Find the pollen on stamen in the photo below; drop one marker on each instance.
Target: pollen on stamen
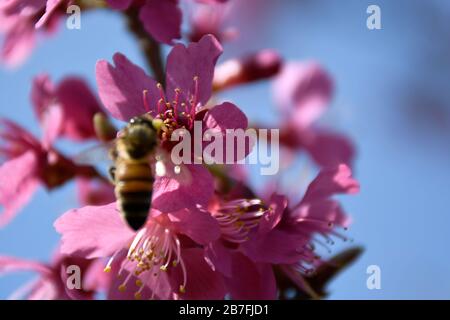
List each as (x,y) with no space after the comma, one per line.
(154,250)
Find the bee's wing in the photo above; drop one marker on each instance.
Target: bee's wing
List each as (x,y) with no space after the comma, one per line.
(164,167)
(99,153)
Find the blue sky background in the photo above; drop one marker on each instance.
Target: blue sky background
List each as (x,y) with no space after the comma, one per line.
(392,98)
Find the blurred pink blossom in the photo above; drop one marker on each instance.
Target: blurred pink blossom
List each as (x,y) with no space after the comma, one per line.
(66,109)
(51,283)
(94,191)
(303,92)
(162,19)
(250,68)
(18,19)
(27,163)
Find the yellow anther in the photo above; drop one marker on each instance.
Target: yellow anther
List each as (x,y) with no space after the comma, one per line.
(107,269)
(138,296)
(174,263)
(182,289)
(163,268)
(122,288)
(157,123)
(139,283)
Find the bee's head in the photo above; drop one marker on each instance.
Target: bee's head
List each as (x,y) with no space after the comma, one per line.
(139,137)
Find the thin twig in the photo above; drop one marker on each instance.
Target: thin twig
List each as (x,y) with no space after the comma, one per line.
(150,47)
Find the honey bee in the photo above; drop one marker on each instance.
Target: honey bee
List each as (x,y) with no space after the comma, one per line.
(131,172)
(136,160)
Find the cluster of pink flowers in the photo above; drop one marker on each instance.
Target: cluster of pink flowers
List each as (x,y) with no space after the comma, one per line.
(214,238)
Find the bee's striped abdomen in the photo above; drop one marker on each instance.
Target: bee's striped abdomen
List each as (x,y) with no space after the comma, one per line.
(134,186)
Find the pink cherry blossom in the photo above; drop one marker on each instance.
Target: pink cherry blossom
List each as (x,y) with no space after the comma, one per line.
(51,283)
(244,278)
(211,17)
(256,237)
(126,91)
(65,109)
(27,163)
(291,242)
(303,92)
(163,260)
(18,20)
(23,158)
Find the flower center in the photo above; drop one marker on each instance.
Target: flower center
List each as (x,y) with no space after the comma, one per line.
(154,249)
(178,113)
(238,217)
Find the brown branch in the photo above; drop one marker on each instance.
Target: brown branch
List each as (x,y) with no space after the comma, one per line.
(150,47)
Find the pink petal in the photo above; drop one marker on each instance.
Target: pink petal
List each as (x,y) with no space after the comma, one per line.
(18,43)
(12,264)
(22,7)
(95,278)
(275,247)
(330,149)
(331,181)
(51,6)
(329,211)
(199,225)
(228,117)
(202,282)
(46,289)
(79,106)
(18,182)
(303,91)
(93,232)
(250,281)
(121,88)
(278,203)
(46,109)
(219,258)
(225,116)
(52,124)
(162,19)
(95,192)
(42,94)
(170,195)
(75,294)
(119,4)
(197,60)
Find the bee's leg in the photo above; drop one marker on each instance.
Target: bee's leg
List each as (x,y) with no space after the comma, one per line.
(112,174)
